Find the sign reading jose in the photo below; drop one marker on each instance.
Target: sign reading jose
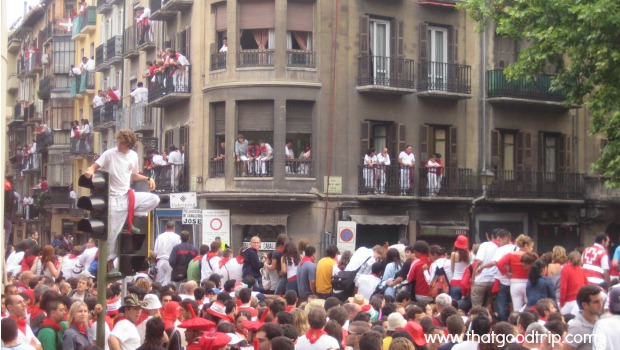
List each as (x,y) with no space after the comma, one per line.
(216,223)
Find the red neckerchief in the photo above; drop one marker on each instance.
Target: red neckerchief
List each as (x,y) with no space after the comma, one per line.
(306,259)
(22,325)
(240,259)
(81,328)
(264,315)
(143,317)
(51,324)
(244,333)
(314,334)
(72,256)
(223,262)
(4,315)
(211,255)
(290,308)
(280,249)
(198,257)
(495,242)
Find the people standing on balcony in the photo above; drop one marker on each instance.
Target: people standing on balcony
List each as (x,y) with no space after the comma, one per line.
(177,65)
(156,163)
(220,154)
(253,155)
(289,154)
(241,153)
(75,136)
(144,24)
(25,158)
(112,96)
(383,160)
(176,162)
(305,157)
(83,6)
(43,184)
(224,47)
(85,133)
(75,72)
(88,64)
(406,160)
(432,167)
(266,155)
(370,162)
(73,198)
(27,203)
(121,163)
(32,156)
(99,99)
(140,93)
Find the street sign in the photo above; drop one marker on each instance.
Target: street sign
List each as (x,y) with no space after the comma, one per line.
(216,223)
(183,200)
(346,235)
(191,217)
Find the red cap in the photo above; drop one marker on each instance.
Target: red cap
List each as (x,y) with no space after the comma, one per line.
(198,323)
(212,341)
(416,332)
(462,242)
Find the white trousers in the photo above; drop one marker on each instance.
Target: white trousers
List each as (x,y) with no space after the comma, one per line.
(518,293)
(145,202)
(164,271)
(405,178)
(432,183)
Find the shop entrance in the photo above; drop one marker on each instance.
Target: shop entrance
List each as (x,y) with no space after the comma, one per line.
(371,235)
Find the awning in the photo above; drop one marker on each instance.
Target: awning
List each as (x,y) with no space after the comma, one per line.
(443,230)
(168,213)
(271,220)
(381,219)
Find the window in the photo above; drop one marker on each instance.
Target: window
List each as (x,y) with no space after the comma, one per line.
(61,113)
(506,51)
(550,153)
(299,124)
(508,151)
(257,22)
(440,139)
(168,139)
(59,170)
(63,54)
(299,25)
(381,134)
(381,59)
(437,46)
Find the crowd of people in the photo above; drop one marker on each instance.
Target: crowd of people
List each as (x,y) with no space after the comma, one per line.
(255,158)
(498,295)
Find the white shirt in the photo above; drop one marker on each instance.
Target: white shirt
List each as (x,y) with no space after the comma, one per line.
(207,268)
(183,61)
(323,343)
(383,160)
(289,153)
(159,160)
(368,159)
(14,263)
(127,334)
(87,257)
(69,266)
(164,244)
(232,270)
(72,194)
(76,71)
(98,101)
(120,166)
(357,259)
(140,94)
(429,274)
(486,252)
(366,285)
(501,251)
(142,328)
(146,13)
(90,65)
(28,337)
(93,334)
(175,158)
(406,159)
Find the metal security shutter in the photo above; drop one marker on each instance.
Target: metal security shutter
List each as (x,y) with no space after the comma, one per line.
(300,16)
(299,116)
(257,14)
(255,115)
(219,111)
(221,19)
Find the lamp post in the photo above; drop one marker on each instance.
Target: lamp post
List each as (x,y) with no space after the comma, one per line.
(486,177)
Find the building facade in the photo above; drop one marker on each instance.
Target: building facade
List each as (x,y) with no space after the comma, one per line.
(324,82)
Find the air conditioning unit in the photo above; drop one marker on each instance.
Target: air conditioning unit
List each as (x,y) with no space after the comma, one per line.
(45,59)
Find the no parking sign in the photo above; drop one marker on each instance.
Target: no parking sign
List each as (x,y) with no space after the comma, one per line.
(346,235)
(215,223)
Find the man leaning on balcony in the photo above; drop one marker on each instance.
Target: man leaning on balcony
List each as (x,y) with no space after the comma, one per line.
(176,161)
(140,93)
(241,153)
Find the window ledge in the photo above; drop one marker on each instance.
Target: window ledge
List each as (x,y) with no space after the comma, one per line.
(253,178)
(242,69)
(300,178)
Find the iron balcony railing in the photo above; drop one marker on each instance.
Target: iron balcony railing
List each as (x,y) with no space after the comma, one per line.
(300,58)
(171,178)
(32,62)
(59,195)
(173,80)
(439,76)
(140,116)
(385,71)
(100,57)
(536,184)
(81,144)
(89,17)
(256,58)
(447,182)
(82,82)
(218,61)
(53,29)
(114,48)
(216,168)
(106,115)
(538,88)
(55,138)
(298,168)
(131,41)
(255,168)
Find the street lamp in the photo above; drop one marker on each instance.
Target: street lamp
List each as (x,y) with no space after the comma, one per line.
(486,177)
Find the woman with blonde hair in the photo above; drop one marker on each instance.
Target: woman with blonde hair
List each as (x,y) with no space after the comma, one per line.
(300,321)
(554,269)
(76,335)
(401,343)
(572,278)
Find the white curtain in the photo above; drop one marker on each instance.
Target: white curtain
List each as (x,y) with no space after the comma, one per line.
(289,40)
(271,44)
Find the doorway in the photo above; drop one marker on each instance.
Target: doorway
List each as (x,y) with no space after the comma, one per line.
(371,235)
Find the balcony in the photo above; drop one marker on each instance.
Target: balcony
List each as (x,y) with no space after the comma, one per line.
(18,114)
(391,180)
(255,58)
(439,3)
(162,10)
(12,85)
(218,61)
(253,169)
(76,28)
(104,6)
(32,163)
(171,178)
(81,146)
(59,196)
(216,168)
(32,63)
(144,37)
(536,185)
(53,29)
(81,83)
(100,58)
(33,112)
(15,44)
(45,87)
(114,49)
(523,91)
(444,80)
(300,58)
(89,20)
(170,87)
(140,117)
(59,138)
(131,40)
(105,117)
(390,75)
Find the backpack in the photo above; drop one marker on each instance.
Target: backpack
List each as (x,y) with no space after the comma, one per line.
(466,281)
(439,284)
(344,280)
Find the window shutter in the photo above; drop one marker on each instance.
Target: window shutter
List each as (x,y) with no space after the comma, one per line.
(423,41)
(527,151)
(299,116)
(221,17)
(364,35)
(520,151)
(561,152)
(219,111)
(453,160)
(365,137)
(541,151)
(453,49)
(188,36)
(424,130)
(255,115)
(257,14)
(568,143)
(495,149)
(300,16)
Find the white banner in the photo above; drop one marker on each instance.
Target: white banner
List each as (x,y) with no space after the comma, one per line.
(216,223)
(191,217)
(347,235)
(183,200)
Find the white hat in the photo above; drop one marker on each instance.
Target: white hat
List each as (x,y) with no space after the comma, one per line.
(151,302)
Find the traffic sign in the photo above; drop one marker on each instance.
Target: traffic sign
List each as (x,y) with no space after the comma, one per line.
(216,223)
(346,235)
(191,217)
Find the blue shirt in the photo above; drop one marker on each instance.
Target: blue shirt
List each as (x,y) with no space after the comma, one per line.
(305,273)
(543,289)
